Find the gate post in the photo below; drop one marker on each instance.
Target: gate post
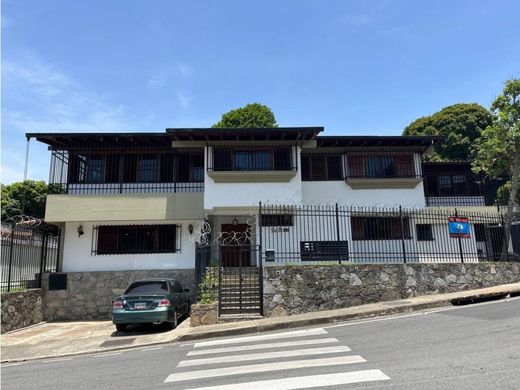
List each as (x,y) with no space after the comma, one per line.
(337,231)
(403,244)
(10,258)
(260,261)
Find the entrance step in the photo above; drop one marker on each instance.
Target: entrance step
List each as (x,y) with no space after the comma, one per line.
(238,317)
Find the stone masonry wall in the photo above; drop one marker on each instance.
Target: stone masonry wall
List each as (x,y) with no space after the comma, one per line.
(89,295)
(299,289)
(20,309)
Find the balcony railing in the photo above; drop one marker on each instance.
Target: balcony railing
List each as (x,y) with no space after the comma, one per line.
(258,158)
(117,171)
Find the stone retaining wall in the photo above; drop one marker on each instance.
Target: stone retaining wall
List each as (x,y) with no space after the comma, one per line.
(20,309)
(204,314)
(89,295)
(299,289)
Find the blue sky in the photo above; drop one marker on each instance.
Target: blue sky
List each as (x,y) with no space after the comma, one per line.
(354,67)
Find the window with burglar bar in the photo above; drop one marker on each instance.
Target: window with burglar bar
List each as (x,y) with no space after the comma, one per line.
(252,159)
(322,167)
(136,239)
(380,166)
(380,228)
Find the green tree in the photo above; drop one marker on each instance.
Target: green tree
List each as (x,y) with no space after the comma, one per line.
(461,124)
(26,197)
(498,149)
(253,115)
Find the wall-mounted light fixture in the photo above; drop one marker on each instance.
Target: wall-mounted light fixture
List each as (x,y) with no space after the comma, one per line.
(80,230)
(235,221)
(190,228)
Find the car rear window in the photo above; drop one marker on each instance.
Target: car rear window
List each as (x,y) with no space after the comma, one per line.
(148,288)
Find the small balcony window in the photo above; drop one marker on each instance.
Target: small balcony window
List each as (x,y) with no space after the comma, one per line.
(259,159)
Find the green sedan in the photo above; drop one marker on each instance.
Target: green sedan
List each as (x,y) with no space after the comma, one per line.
(151,301)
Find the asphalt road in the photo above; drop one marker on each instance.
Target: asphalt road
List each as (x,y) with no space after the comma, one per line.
(468,347)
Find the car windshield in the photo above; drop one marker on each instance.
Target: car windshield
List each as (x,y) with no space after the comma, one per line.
(147,288)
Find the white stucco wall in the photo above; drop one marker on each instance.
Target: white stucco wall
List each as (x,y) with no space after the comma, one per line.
(77,256)
(330,192)
(220,195)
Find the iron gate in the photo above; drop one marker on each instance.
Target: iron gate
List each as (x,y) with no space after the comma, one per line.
(231,275)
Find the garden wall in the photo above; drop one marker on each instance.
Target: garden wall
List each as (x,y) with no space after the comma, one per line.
(21,309)
(89,295)
(299,289)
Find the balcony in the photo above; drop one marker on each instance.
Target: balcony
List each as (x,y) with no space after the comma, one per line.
(382,170)
(125,171)
(256,164)
(455,189)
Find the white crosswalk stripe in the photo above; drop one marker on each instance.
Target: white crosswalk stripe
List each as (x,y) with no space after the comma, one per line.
(261,355)
(246,339)
(297,343)
(263,367)
(305,382)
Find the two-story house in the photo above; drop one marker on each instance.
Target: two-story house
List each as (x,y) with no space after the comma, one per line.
(132,200)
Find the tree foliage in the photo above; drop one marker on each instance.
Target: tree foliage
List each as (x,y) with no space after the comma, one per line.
(498,150)
(253,115)
(461,124)
(26,197)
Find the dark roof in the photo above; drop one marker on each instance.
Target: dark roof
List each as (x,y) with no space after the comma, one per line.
(256,134)
(419,142)
(81,140)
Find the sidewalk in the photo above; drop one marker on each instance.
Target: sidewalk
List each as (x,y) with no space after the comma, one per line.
(72,338)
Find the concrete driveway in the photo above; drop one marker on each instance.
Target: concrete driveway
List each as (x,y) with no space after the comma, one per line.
(70,338)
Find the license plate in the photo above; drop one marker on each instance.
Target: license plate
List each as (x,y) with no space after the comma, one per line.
(140,305)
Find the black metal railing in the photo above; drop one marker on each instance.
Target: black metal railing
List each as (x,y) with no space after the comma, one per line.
(231,275)
(126,170)
(27,252)
(303,234)
(454,201)
(257,158)
(381,165)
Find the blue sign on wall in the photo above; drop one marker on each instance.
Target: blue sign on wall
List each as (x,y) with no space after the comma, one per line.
(459,227)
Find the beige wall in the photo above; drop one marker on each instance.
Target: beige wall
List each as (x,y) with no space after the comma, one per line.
(135,207)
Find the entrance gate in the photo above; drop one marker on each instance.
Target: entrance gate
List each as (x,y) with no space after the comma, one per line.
(230,273)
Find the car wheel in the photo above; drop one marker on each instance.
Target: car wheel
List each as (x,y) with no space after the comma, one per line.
(175,322)
(121,327)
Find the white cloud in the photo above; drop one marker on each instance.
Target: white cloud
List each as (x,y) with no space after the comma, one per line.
(184,69)
(38,97)
(183,100)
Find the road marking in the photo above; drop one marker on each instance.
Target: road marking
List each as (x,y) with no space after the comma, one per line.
(237,340)
(264,356)
(12,364)
(106,354)
(264,367)
(306,382)
(263,346)
(151,349)
(56,360)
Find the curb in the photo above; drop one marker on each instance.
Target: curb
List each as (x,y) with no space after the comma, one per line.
(311,321)
(327,319)
(288,322)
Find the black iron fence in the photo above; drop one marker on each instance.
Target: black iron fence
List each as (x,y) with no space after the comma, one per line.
(314,234)
(28,248)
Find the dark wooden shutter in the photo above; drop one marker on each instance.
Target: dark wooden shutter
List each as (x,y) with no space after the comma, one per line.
(107,240)
(355,164)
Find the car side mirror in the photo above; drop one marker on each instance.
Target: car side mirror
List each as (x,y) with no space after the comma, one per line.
(186,290)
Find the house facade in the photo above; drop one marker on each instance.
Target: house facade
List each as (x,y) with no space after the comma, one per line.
(140,201)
